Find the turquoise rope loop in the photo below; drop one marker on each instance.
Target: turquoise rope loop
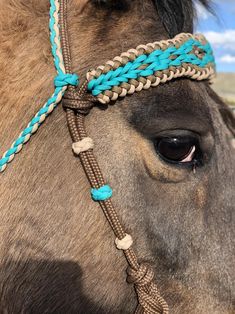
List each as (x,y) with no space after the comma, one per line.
(66,79)
(101,194)
(147,64)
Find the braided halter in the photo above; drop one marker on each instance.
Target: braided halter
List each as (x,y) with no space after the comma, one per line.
(146,66)
(186,55)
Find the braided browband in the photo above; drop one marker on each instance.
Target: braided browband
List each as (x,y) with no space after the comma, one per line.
(186,55)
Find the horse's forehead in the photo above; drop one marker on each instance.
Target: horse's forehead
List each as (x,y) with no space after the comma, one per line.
(105,34)
(80,4)
(178,104)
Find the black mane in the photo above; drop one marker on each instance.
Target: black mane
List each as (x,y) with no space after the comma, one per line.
(178,15)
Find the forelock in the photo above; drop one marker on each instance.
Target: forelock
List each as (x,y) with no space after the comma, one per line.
(178,15)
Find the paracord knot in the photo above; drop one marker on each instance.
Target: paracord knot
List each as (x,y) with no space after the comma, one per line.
(64,79)
(101,194)
(82,146)
(125,243)
(150,301)
(141,277)
(78,100)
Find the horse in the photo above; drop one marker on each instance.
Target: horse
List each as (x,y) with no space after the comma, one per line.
(56,251)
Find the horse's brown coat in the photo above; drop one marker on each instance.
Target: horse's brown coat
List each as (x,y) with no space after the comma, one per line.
(56,251)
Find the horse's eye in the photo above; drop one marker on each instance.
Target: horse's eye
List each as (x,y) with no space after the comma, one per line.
(179,149)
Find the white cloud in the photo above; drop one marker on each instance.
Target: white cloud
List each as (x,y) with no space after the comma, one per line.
(202,13)
(228,59)
(225,40)
(223,1)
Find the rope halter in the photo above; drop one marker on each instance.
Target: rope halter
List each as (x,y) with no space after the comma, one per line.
(147,66)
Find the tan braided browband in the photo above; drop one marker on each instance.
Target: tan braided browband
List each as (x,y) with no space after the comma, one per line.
(186,55)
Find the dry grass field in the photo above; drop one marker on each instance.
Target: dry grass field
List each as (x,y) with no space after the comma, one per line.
(225,86)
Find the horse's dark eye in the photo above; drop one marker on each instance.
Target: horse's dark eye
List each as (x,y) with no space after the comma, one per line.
(181,149)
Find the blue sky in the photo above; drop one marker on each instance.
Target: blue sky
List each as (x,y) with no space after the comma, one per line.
(220,31)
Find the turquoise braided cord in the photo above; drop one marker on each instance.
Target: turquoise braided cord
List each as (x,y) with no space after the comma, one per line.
(101,194)
(158,60)
(55,37)
(61,82)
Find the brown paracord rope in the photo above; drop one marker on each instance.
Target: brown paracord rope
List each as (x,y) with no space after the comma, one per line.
(78,103)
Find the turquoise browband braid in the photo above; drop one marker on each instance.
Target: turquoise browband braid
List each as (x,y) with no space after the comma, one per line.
(185,55)
(148,65)
(158,60)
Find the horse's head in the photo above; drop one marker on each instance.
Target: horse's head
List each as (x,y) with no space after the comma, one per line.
(176,199)
(166,152)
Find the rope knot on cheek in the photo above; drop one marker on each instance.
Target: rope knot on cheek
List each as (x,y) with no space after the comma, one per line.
(66,79)
(82,146)
(101,194)
(79,100)
(125,243)
(150,301)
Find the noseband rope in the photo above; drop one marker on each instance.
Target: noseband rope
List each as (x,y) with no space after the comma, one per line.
(146,66)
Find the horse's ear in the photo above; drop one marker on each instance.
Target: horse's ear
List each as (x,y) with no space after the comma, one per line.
(173,14)
(178,15)
(226,113)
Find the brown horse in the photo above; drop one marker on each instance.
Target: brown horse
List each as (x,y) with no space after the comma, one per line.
(56,250)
